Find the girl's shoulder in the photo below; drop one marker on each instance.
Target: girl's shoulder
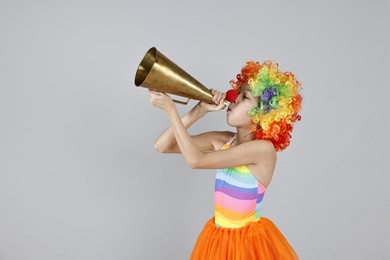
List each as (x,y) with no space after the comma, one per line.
(263,149)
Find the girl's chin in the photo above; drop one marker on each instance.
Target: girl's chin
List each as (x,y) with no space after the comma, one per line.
(230,123)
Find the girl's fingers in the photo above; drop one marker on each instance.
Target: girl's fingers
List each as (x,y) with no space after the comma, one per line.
(221,102)
(152,91)
(216,96)
(220,97)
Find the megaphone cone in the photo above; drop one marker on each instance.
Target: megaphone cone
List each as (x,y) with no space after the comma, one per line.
(158,72)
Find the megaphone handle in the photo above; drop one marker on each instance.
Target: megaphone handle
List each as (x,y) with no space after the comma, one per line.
(181,102)
(185,103)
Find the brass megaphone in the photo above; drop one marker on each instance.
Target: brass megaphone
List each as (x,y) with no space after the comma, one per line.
(159,73)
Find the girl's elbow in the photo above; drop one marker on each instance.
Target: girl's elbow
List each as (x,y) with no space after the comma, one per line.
(159,148)
(195,164)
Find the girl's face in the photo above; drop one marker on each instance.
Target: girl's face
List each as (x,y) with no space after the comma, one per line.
(237,113)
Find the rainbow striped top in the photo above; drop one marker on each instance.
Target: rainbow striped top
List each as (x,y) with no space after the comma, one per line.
(237,195)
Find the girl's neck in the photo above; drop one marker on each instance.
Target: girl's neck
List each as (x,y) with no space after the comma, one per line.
(244,135)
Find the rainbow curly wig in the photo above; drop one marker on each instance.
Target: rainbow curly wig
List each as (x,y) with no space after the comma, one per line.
(279,101)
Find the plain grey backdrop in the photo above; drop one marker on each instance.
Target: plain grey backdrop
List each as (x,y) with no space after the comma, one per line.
(79,178)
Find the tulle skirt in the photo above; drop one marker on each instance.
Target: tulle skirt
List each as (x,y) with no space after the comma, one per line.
(260,240)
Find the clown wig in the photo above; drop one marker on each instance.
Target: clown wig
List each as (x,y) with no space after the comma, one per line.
(279,101)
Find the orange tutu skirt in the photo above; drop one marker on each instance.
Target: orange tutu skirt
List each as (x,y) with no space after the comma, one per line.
(260,240)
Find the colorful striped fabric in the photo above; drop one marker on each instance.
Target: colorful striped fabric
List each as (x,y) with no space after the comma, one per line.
(237,196)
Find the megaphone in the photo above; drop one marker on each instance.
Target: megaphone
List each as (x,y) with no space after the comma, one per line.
(159,73)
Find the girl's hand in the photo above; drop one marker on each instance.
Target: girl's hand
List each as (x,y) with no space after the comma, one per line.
(218,98)
(161,100)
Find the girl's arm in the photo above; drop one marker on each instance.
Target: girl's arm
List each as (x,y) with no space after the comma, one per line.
(166,142)
(244,154)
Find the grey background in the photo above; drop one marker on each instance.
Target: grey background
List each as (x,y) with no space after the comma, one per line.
(79,178)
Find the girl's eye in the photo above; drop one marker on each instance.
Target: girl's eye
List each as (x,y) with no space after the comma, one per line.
(246,97)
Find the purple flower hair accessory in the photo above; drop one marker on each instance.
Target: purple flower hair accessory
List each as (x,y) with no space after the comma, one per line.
(268,94)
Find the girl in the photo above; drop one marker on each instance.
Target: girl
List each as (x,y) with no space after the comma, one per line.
(264,104)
